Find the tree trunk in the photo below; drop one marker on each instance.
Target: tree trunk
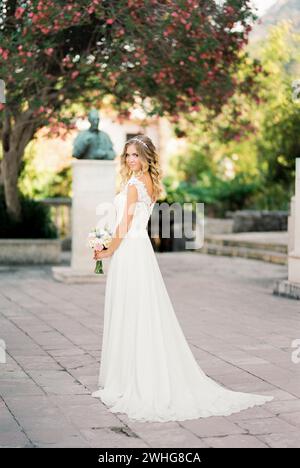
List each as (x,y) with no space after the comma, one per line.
(10,168)
(16,136)
(1,174)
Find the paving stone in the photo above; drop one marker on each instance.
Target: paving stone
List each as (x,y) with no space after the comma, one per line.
(239,333)
(14,439)
(282,440)
(212,426)
(267,426)
(38,362)
(279,396)
(235,441)
(62,436)
(292,418)
(168,434)
(257,412)
(90,416)
(282,407)
(19,388)
(114,437)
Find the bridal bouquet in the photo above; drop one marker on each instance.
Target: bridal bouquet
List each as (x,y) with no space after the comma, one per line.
(99,239)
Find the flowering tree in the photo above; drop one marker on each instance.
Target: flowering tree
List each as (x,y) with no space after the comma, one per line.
(173,55)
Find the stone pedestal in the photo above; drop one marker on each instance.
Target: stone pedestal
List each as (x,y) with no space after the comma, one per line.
(93,187)
(291,287)
(291,226)
(294,255)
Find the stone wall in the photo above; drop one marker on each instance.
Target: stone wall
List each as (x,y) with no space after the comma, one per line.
(259,221)
(30,251)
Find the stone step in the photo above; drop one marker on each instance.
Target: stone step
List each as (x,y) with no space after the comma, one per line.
(252,242)
(287,289)
(239,251)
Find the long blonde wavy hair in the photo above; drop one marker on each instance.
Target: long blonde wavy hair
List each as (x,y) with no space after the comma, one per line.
(150,162)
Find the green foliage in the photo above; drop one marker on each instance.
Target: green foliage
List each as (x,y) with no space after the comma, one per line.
(35,223)
(278,144)
(249,163)
(220,196)
(271,198)
(36,183)
(60,184)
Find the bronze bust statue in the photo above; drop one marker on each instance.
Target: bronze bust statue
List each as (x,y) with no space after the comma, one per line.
(93,143)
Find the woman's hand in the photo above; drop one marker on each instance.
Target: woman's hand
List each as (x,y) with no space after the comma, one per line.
(100,254)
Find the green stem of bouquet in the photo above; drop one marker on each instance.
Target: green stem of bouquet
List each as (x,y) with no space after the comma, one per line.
(99,267)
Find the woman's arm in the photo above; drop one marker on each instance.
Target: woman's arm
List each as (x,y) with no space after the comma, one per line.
(123,226)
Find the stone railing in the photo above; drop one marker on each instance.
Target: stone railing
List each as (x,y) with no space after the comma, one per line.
(60,209)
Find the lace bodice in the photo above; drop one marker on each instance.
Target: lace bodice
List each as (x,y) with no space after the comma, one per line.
(143,195)
(143,209)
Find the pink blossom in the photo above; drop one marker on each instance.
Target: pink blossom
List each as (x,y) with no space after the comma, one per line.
(229,10)
(4,53)
(49,51)
(74,74)
(19,12)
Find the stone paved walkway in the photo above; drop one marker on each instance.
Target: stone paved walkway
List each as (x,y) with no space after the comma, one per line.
(240,333)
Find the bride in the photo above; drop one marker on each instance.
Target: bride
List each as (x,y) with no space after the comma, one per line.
(147,369)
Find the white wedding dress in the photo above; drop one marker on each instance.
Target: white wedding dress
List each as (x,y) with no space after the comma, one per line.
(147,369)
